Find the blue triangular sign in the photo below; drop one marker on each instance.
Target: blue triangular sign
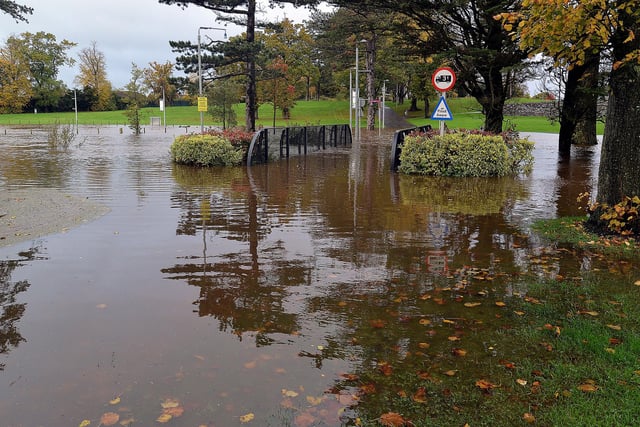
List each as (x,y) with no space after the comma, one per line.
(442,111)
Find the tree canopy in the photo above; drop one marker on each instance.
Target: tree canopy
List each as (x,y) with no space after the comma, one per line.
(17,11)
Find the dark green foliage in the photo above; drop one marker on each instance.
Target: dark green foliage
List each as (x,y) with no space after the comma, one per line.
(465,154)
(205,150)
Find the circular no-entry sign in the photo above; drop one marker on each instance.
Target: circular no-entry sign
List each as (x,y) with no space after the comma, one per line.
(443,79)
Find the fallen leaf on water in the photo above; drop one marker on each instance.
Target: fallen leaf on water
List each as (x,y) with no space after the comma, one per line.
(247,417)
(250,365)
(114,401)
(392,419)
(472,304)
(101,306)
(164,418)
(199,357)
(305,419)
(174,412)
(170,403)
(314,401)
(289,393)
(529,418)
(109,418)
(127,421)
(84,423)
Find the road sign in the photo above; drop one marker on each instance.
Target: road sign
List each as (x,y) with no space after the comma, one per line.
(442,111)
(443,79)
(202,104)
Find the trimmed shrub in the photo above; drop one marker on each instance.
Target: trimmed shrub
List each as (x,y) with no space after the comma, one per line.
(465,154)
(205,150)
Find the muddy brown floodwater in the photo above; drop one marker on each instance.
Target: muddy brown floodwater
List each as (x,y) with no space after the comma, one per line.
(226,296)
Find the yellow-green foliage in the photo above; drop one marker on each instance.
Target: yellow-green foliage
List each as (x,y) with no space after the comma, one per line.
(205,150)
(464,154)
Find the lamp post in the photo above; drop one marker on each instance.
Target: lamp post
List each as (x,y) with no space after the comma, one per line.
(358,113)
(200,71)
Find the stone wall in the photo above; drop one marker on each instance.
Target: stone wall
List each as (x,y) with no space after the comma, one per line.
(542,109)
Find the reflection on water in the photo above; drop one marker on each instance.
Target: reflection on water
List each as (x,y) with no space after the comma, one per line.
(253,291)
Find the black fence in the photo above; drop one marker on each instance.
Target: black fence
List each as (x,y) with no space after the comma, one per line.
(398,141)
(277,143)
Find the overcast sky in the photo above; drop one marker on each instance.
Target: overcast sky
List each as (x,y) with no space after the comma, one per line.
(125,31)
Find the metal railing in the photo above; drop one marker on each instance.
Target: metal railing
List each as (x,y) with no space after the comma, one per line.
(277,143)
(398,141)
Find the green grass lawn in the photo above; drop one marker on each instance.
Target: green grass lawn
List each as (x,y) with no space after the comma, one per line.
(466,114)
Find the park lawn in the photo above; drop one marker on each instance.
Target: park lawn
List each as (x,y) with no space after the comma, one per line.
(465,111)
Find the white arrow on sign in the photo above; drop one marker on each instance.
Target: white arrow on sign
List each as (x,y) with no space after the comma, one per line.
(442,111)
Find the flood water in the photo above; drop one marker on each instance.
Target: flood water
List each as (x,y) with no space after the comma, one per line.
(248,295)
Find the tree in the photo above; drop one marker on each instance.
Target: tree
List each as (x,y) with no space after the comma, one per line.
(477,46)
(224,94)
(571,32)
(157,78)
(240,12)
(135,98)
(41,57)
(93,74)
(15,87)
(17,11)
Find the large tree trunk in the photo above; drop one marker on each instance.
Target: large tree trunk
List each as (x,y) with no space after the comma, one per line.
(492,100)
(580,106)
(250,94)
(371,81)
(619,173)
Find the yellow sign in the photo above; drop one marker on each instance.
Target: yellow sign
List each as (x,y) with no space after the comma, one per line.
(202,103)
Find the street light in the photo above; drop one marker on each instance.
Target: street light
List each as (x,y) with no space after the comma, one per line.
(200,71)
(358,114)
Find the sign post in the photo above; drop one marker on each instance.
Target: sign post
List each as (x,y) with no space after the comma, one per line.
(443,80)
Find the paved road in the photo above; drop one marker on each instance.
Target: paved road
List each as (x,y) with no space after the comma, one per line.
(393,120)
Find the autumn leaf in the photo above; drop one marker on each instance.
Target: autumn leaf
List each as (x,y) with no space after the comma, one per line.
(451,372)
(614,327)
(519,313)
(485,385)
(501,304)
(459,352)
(164,418)
(521,382)
(289,393)
(114,401)
(528,418)
(424,322)
(174,412)
(590,313)
(424,345)
(392,419)
(472,304)
(109,418)
(314,401)
(588,387)
(377,323)
(385,368)
(170,403)
(420,396)
(247,417)
(84,423)
(305,419)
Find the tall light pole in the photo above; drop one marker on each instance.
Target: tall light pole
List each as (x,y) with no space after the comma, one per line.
(200,72)
(358,114)
(75,107)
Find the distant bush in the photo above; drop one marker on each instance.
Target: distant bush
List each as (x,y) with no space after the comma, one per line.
(205,150)
(466,153)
